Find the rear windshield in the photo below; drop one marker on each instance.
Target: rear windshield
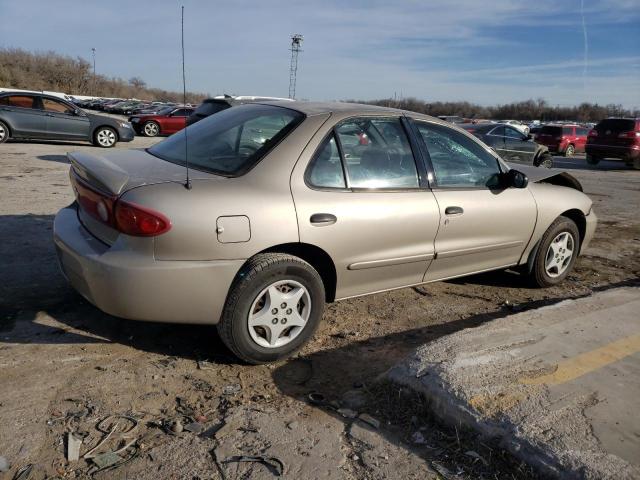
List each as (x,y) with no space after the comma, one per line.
(209,108)
(551,131)
(616,125)
(231,142)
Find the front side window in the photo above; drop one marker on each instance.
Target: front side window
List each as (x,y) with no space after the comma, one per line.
(458,161)
(498,131)
(325,170)
(230,142)
(55,106)
(377,154)
(183,112)
(512,133)
(22,101)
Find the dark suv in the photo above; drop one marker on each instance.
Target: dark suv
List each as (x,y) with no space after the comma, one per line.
(615,138)
(209,106)
(44,117)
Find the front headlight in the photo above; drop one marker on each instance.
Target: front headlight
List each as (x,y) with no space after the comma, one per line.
(125,125)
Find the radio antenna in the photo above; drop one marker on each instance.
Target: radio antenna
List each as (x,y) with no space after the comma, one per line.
(187,184)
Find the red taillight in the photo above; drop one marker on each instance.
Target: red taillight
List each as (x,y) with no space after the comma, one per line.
(126,217)
(139,221)
(631,134)
(593,133)
(95,203)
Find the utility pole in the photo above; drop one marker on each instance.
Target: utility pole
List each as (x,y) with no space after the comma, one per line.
(93,53)
(296,43)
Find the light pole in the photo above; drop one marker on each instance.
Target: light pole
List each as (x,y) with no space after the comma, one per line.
(93,53)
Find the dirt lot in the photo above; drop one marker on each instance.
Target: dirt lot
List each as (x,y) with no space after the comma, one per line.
(64,365)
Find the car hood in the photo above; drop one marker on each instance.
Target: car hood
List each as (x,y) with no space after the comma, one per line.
(553,176)
(119,171)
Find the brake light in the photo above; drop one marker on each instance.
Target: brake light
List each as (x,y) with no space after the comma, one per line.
(139,221)
(97,204)
(631,134)
(592,133)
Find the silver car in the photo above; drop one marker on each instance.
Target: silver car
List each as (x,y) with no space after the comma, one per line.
(283,207)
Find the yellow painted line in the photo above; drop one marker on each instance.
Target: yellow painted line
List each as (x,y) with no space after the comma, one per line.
(588,362)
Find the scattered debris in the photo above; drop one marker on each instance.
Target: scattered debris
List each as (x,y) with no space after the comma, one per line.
(477,456)
(4,464)
(24,473)
(366,418)
(205,365)
(354,399)
(418,438)
(232,389)
(347,413)
(105,460)
(176,427)
(317,399)
(274,464)
(194,427)
(292,425)
(73,447)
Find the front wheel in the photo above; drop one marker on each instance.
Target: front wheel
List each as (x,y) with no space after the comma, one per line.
(273,307)
(545,160)
(105,137)
(4,132)
(556,253)
(151,129)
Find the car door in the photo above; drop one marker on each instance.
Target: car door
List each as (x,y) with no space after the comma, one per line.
(361,197)
(23,116)
(483,226)
(495,139)
(581,138)
(518,147)
(62,121)
(175,121)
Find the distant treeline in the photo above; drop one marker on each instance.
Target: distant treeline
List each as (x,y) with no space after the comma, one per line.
(526,110)
(59,73)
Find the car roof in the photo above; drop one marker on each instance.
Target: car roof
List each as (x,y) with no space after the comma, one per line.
(319,108)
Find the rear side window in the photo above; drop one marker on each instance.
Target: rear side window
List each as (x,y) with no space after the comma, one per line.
(551,131)
(325,170)
(22,101)
(209,108)
(615,125)
(377,154)
(567,130)
(55,106)
(231,142)
(582,132)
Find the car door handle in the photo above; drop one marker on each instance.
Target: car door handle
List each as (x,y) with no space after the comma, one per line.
(322,219)
(453,211)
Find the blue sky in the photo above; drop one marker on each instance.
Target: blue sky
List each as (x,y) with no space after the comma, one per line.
(485,52)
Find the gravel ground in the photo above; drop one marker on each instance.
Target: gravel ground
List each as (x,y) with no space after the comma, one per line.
(64,365)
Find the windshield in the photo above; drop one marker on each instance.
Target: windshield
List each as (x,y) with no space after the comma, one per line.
(230,142)
(209,108)
(615,125)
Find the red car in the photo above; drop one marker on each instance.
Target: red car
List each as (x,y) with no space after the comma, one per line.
(165,122)
(563,139)
(617,138)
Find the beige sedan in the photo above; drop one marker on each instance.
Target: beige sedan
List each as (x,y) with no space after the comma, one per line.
(283,207)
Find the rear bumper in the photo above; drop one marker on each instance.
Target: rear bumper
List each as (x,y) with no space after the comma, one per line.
(127,284)
(613,151)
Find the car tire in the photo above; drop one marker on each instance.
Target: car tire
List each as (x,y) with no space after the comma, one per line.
(4,132)
(570,151)
(552,264)
(259,294)
(545,160)
(591,160)
(105,137)
(150,129)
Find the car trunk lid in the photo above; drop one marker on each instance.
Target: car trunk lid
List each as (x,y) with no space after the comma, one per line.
(105,178)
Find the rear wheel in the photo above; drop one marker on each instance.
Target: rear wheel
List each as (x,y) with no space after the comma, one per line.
(105,137)
(151,129)
(591,160)
(545,160)
(556,253)
(570,151)
(274,306)
(4,132)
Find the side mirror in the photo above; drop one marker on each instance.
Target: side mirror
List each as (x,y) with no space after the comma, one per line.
(516,179)
(77,112)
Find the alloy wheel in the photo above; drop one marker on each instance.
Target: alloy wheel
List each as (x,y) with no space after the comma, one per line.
(570,151)
(151,129)
(279,313)
(106,137)
(3,132)
(559,254)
